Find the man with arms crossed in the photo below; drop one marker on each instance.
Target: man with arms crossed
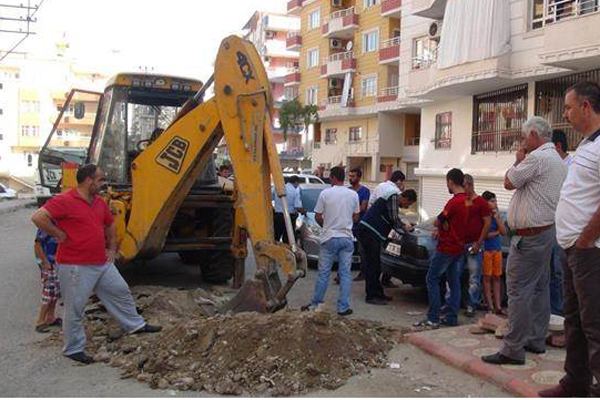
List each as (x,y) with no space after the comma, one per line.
(86,234)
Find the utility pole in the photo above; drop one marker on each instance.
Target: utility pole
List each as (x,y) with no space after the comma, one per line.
(17,20)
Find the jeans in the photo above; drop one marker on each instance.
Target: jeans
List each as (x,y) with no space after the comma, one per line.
(556,280)
(343,249)
(474,264)
(449,265)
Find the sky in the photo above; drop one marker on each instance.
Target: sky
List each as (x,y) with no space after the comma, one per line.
(178,37)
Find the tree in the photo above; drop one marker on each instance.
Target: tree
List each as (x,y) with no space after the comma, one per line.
(295,117)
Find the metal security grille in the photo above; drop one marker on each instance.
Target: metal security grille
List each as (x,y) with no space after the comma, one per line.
(497,119)
(550,101)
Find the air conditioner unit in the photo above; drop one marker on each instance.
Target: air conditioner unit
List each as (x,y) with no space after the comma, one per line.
(336,44)
(435,30)
(267,59)
(335,83)
(270,34)
(336,3)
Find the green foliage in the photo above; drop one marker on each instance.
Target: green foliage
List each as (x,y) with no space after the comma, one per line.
(295,117)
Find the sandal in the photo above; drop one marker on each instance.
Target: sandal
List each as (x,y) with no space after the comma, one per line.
(56,322)
(42,328)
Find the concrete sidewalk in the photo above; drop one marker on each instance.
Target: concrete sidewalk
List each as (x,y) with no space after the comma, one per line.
(462,349)
(7,206)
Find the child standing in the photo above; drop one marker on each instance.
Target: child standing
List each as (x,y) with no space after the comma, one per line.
(492,257)
(45,249)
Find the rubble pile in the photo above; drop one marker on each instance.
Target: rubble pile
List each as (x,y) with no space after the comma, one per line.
(248,353)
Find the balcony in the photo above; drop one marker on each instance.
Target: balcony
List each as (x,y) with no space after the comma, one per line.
(335,103)
(337,65)
(569,41)
(433,9)
(341,24)
(293,41)
(362,147)
(389,52)
(388,94)
(293,78)
(391,8)
(294,7)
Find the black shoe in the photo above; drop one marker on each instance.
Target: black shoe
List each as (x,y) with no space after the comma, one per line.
(448,322)
(148,329)
(386,298)
(337,279)
(345,313)
(359,277)
(501,359)
(531,349)
(81,357)
(376,301)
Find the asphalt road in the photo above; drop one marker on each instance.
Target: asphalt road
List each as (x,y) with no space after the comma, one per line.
(26,369)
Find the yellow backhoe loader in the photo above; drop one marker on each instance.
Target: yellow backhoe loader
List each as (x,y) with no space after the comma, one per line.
(155,136)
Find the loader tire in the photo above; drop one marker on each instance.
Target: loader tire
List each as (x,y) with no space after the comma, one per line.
(191,257)
(218,266)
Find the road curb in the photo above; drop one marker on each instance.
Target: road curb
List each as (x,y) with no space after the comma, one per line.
(17,207)
(475,367)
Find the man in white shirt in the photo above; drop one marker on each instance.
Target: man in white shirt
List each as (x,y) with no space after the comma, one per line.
(578,232)
(394,186)
(292,192)
(336,210)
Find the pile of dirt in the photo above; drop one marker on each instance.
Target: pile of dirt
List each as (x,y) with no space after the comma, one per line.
(248,353)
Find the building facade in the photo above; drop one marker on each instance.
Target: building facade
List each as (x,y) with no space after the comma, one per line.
(483,67)
(350,67)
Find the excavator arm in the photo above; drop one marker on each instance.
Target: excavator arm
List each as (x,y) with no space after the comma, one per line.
(164,173)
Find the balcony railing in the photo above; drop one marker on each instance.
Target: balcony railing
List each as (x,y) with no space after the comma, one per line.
(294,6)
(552,11)
(368,146)
(414,141)
(316,145)
(335,101)
(341,14)
(388,7)
(424,61)
(507,140)
(389,91)
(390,43)
(348,55)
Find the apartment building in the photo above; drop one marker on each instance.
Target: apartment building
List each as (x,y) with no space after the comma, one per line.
(350,67)
(32,92)
(269,31)
(482,67)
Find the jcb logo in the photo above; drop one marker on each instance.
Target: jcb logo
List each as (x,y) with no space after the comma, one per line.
(172,156)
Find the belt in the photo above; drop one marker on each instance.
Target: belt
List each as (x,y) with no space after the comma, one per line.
(532,231)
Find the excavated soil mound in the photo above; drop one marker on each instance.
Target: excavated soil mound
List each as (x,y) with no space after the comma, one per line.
(248,353)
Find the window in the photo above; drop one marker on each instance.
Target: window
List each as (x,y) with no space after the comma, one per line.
(443,130)
(498,118)
(312,95)
(370,41)
(290,92)
(369,86)
(355,134)
(314,180)
(294,142)
(331,136)
(424,53)
(545,12)
(29,160)
(312,58)
(314,19)
(370,3)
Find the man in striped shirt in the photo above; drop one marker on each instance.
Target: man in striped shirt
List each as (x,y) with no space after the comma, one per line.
(536,177)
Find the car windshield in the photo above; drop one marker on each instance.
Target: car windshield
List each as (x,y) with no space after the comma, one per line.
(309,198)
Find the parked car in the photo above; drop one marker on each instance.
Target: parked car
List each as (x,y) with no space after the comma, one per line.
(308,230)
(407,257)
(7,193)
(304,178)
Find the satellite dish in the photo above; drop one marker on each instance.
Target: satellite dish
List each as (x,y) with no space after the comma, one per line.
(349,46)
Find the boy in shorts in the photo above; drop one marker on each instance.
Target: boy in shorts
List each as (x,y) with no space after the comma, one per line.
(45,249)
(492,258)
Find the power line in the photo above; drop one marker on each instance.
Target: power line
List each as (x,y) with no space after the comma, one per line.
(19,22)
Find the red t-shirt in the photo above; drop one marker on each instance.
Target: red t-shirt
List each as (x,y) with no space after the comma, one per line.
(477,212)
(84,225)
(453,232)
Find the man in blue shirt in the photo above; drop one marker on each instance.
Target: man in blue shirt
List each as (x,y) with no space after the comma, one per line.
(354,177)
(294,207)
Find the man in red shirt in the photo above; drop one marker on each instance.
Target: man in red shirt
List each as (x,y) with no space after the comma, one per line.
(86,234)
(479,224)
(451,231)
